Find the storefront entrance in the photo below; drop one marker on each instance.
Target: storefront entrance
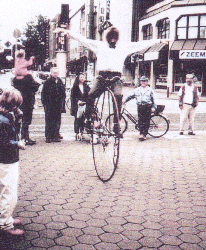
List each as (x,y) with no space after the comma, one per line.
(196,67)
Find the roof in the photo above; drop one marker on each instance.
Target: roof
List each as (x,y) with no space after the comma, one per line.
(156,47)
(168,4)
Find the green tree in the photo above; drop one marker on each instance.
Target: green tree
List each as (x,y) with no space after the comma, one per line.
(36,39)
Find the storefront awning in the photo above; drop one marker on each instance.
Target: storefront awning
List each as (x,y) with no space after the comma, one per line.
(194,44)
(153,52)
(189,49)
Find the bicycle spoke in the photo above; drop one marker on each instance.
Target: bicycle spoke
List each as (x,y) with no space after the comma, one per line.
(106,149)
(159,126)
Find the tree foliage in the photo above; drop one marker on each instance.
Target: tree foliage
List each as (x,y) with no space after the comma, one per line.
(36,39)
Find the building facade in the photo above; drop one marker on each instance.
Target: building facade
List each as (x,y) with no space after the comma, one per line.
(184,24)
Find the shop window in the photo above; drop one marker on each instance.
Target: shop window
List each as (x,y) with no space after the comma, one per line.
(191,27)
(147,32)
(163,28)
(202,26)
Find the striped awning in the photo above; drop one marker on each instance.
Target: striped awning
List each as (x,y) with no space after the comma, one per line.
(193,44)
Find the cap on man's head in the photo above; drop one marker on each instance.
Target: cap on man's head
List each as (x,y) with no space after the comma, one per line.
(190,76)
(144,78)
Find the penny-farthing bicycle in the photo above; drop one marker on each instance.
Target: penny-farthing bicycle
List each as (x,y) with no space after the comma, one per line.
(105,144)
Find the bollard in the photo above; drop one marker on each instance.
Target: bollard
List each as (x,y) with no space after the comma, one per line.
(168,92)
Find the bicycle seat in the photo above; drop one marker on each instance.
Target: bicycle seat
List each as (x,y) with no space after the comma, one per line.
(115,78)
(100,77)
(159,109)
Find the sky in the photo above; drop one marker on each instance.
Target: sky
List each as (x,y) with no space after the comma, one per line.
(14,14)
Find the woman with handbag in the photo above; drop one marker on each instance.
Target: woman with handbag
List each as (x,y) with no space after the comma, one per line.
(79,94)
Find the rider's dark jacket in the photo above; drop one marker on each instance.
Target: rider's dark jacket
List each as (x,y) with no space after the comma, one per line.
(9,150)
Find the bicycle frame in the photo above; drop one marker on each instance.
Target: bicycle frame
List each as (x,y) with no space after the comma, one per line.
(130,116)
(159,124)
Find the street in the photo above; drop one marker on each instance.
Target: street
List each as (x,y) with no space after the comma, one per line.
(156,199)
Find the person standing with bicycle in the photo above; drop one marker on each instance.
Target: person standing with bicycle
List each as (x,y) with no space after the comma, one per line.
(145,100)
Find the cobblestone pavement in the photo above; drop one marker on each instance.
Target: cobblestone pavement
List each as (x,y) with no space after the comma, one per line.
(156,199)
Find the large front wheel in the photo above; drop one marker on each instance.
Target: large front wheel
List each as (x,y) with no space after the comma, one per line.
(105,144)
(159,126)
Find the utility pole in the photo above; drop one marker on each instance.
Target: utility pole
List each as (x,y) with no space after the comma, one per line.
(90,67)
(91,20)
(62,50)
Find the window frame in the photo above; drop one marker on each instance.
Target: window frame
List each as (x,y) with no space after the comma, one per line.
(164,24)
(190,26)
(147,31)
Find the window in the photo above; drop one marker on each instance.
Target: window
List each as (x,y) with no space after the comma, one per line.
(147,32)
(163,28)
(191,27)
(202,27)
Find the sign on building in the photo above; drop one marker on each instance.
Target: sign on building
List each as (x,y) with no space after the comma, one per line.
(192,54)
(150,56)
(61,42)
(108,10)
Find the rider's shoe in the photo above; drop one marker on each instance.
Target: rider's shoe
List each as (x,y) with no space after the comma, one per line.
(141,137)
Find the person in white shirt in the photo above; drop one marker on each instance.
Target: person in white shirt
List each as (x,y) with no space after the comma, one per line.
(188,101)
(111,55)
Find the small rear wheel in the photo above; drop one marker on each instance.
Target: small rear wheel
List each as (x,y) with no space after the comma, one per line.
(159,126)
(105,144)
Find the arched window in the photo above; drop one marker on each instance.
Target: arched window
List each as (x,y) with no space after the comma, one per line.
(163,28)
(147,32)
(191,27)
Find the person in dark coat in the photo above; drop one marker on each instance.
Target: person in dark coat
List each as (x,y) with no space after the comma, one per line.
(52,97)
(27,87)
(79,94)
(25,83)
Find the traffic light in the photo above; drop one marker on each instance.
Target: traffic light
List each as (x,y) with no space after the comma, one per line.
(64,17)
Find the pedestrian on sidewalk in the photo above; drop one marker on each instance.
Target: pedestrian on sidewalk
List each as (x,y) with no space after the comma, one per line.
(53,97)
(79,95)
(9,161)
(188,101)
(26,84)
(145,100)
